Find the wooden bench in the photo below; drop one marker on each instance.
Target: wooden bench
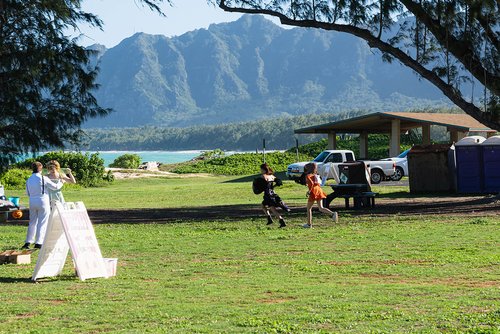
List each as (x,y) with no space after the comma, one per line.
(361,200)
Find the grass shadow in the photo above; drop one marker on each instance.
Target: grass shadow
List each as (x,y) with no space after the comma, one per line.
(8,280)
(449,206)
(457,206)
(16,222)
(407,194)
(65,277)
(15,280)
(178,215)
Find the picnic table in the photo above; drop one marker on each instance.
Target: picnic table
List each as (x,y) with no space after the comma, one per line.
(359,192)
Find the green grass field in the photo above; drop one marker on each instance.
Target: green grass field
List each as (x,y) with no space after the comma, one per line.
(424,274)
(162,192)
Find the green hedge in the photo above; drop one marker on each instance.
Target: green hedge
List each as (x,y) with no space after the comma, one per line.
(15,178)
(88,169)
(130,161)
(240,164)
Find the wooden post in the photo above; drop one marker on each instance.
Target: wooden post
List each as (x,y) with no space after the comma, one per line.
(455,135)
(332,140)
(297,148)
(363,145)
(395,146)
(426,134)
(264,149)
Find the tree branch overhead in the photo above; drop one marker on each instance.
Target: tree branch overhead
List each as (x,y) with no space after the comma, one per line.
(475,51)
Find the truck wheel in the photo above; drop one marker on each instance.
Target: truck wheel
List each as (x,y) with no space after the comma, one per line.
(376,176)
(398,175)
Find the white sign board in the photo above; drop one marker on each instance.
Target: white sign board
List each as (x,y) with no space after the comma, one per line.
(69,227)
(52,256)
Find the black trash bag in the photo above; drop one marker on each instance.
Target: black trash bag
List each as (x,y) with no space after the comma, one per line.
(259,185)
(302,179)
(278,182)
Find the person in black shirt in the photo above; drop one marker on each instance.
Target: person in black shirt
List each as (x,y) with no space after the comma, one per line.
(266,183)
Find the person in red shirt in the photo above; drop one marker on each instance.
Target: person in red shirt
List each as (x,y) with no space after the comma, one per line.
(316,194)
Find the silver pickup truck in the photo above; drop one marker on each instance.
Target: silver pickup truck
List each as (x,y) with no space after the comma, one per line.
(379,169)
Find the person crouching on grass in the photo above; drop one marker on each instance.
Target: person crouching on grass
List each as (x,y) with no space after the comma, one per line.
(271,199)
(316,194)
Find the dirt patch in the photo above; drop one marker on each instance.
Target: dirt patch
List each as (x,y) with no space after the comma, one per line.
(56,301)
(26,315)
(453,205)
(270,299)
(415,262)
(275,301)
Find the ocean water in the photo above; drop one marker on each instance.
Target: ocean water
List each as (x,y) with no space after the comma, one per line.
(166,157)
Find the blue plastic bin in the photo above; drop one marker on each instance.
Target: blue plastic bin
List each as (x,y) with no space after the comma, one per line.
(14,200)
(491,164)
(469,164)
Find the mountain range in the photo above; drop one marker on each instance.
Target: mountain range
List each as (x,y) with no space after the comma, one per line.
(246,70)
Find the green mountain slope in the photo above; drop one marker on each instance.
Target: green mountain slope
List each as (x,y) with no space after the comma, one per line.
(246,70)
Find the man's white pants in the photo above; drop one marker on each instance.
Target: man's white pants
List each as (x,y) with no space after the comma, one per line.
(39,217)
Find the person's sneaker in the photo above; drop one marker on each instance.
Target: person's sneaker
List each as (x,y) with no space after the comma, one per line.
(335,217)
(269,220)
(26,246)
(306,226)
(282,223)
(38,246)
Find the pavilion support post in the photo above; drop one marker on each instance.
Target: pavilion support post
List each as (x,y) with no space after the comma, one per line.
(426,134)
(363,145)
(332,140)
(455,135)
(395,145)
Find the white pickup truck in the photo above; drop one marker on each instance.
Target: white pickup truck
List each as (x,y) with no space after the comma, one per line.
(379,169)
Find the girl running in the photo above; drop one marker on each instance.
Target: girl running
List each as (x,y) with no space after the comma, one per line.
(271,201)
(316,194)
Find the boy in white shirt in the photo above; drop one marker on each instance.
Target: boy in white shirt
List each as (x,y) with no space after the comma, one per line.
(37,187)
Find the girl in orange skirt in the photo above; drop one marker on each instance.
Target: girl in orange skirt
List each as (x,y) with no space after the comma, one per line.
(316,194)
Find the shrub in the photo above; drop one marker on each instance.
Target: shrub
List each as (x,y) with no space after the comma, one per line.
(217,153)
(88,169)
(130,161)
(240,164)
(15,178)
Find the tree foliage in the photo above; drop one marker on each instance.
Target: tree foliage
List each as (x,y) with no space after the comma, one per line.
(130,161)
(15,178)
(88,169)
(240,164)
(46,78)
(437,39)
(245,136)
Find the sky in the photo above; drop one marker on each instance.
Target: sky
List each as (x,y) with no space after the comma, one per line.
(123,18)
